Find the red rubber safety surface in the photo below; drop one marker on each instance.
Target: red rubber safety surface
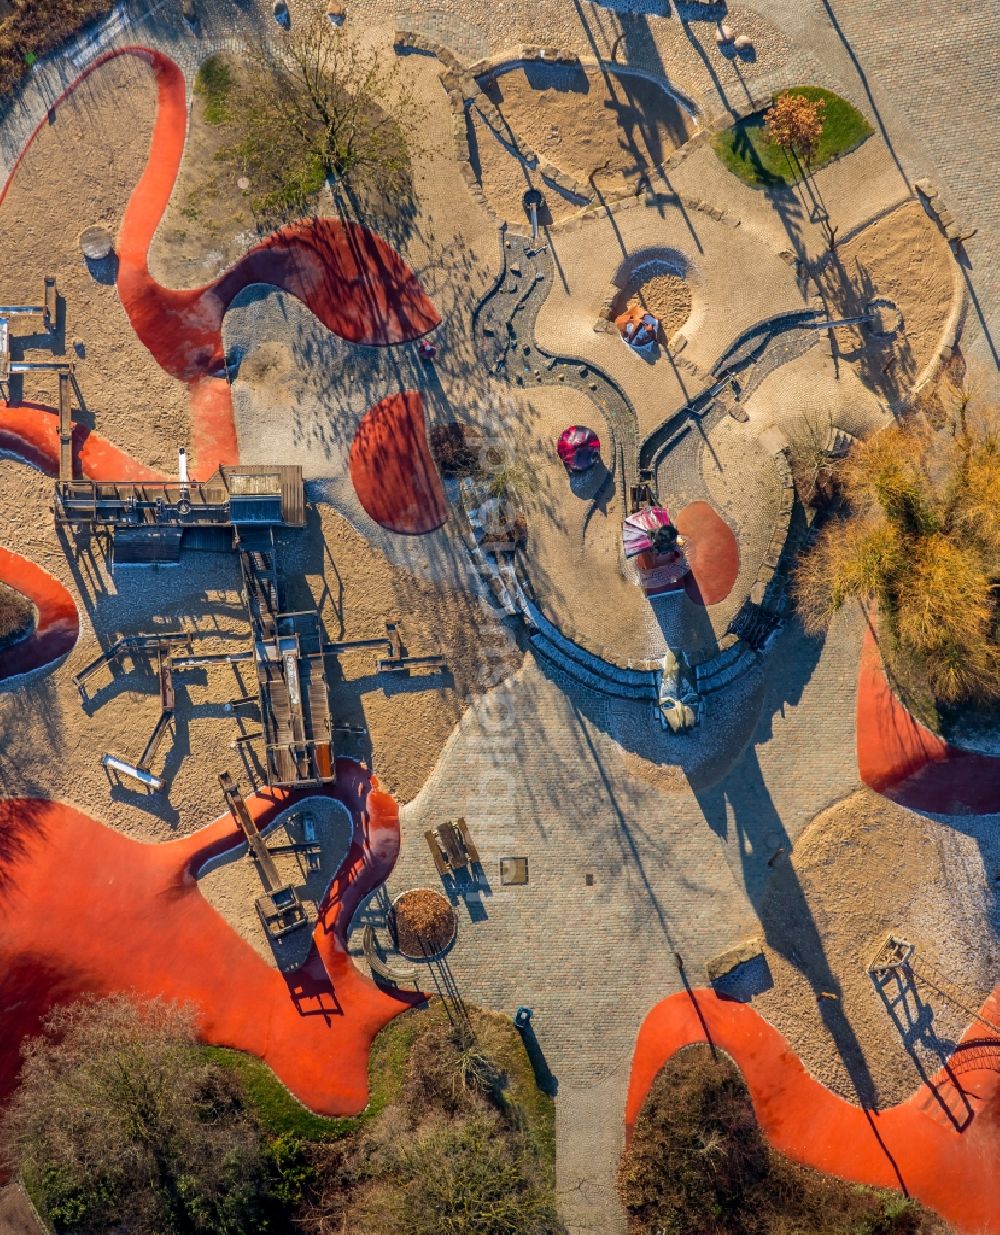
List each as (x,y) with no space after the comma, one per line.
(914,1146)
(900,758)
(30,431)
(392,469)
(712,553)
(84,909)
(57,625)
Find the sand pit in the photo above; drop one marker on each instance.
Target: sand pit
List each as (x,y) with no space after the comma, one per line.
(504,177)
(357,590)
(904,258)
(661,293)
(861,870)
(611,125)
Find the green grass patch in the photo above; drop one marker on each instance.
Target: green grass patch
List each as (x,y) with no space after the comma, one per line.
(278,1111)
(749,153)
(281,1113)
(213,85)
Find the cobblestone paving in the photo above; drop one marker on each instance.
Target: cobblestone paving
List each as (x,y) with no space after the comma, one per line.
(543,772)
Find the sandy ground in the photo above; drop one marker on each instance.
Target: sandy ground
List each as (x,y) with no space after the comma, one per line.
(573,555)
(666,296)
(80,171)
(53,740)
(232,883)
(609,125)
(905,258)
(357,591)
(864,869)
(504,177)
(208,224)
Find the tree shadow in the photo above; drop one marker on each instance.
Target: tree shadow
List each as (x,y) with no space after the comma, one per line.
(739,808)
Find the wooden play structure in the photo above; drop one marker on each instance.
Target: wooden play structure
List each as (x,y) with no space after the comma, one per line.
(895,960)
(48,312)
(288,651)
(237,508)
(280,909)
(140,647)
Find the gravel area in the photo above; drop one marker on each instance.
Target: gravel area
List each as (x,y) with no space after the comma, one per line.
(861,870)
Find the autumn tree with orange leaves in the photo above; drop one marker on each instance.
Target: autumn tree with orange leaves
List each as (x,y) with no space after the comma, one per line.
(795,123)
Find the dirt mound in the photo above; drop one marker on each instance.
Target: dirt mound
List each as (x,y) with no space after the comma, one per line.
(863,869)
(424,921)
(267,365)
(904,258)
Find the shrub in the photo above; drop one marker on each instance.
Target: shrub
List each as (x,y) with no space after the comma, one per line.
(17,615)
(698,1165)
(32,30)
(117,1122)
(921,539)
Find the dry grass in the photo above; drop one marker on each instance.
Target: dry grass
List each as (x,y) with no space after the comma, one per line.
(698,1165)
(921,538)
(32,29)
(17,616)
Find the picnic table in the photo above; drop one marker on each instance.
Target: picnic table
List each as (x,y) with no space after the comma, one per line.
(452,847)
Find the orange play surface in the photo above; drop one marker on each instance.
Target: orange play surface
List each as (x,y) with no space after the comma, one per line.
(913,1147)
(84,909)
(392,469)
(711,552)
(905,761)
(355,283)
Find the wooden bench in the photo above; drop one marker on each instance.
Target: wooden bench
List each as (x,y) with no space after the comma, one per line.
(441,860)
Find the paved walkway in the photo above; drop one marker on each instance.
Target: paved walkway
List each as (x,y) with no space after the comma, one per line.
(677,863)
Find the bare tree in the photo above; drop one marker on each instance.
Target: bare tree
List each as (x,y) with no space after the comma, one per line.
(118,1122)
(312,104)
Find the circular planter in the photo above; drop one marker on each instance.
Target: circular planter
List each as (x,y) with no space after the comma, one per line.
(424,924)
